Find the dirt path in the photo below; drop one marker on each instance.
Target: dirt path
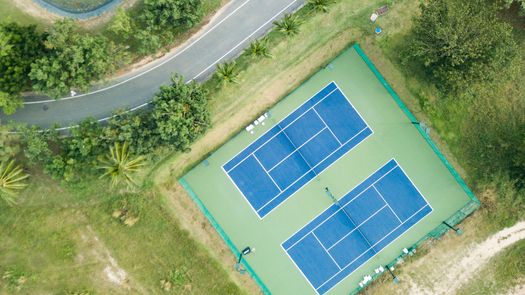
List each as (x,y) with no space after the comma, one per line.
(452,261)
(519,290)
(456,272)
(480,254)
(110,274)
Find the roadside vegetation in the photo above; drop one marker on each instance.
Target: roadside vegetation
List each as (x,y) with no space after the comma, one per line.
(471,94)
(63,57)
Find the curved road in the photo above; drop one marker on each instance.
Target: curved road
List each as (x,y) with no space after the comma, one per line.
(225,37)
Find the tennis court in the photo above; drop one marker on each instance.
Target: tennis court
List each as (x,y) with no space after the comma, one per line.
(355,229)
(297,149)
(338,185)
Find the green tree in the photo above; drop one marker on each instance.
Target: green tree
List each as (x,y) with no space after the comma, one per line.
(162,15)
(10,102)
(20,46)
(138,129)
(12,180)
(462,42)
(148,41)
(181,113)
(227,72)
(319,5)
(121,24)
(9,143)
(289,25)
(36,144)
(120,166)
(521,3)
(519,158)
(258,48)
(74,60)
(85,142)
(5,46)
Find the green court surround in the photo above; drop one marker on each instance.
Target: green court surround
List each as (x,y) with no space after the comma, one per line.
(395,136)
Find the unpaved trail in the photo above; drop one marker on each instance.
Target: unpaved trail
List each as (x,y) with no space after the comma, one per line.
(517,291)
(453,273)
(453,261)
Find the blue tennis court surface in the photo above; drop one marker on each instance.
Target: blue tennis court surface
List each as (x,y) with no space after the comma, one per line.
(298,148)
(337,242)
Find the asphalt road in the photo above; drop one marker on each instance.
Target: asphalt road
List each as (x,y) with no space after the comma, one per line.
(225,37)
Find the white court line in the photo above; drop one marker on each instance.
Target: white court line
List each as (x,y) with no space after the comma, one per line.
(242,194)
(267,173)
(319,241)
(320,162)
(344,95)
(381,195)
(300,154)
(293,261)
(154,67)
(289,114)
(296,149)
(277,125)
(340,144)
(298,107)
(384,237)
(357,229)
(353,199)
(417,189)
(314,218)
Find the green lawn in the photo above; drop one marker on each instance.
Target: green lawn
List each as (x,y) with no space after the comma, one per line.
(60,239)
(9,12)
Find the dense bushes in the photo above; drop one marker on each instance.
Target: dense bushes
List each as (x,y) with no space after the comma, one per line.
(53,62)
(19,48)
(462,42)
(494,138)
(179,116)
(471,55)
(180,113)
(73,60)
(63,58)
(156,23)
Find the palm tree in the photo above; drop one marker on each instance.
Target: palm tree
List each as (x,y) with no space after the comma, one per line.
(120,166)
(259,48)
(319,5)
(227,72)
(289,25)
(12,178)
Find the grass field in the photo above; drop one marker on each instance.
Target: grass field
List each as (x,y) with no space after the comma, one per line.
(10,12)
(65,239)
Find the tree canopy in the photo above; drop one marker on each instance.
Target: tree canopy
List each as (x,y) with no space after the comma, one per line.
(521,3)
(74,60)
(20,46)
(181,113)
(168,14)
(461,42)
